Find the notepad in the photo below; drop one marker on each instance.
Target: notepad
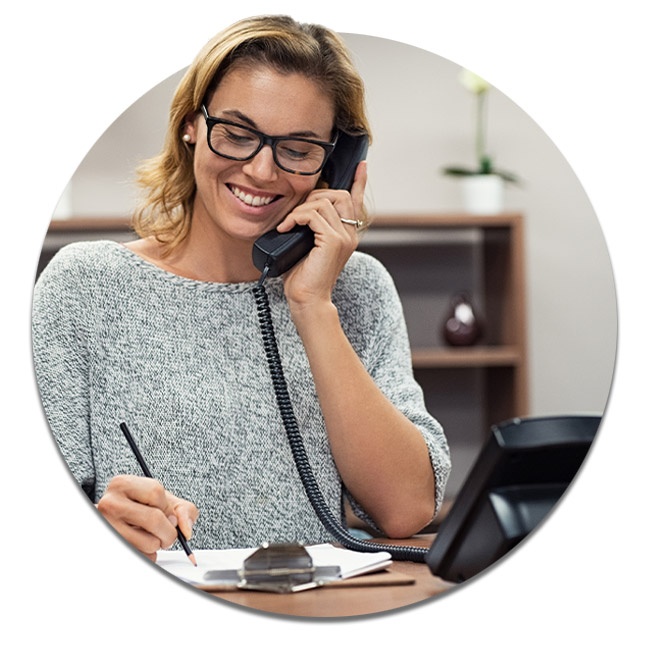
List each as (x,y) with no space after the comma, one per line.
(351,563)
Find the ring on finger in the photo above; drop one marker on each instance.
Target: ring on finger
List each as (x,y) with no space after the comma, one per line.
(353,222)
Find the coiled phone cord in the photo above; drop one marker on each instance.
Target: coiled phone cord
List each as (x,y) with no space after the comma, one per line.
(408,553)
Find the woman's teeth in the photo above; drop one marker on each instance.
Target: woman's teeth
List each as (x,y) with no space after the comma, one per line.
(249,199)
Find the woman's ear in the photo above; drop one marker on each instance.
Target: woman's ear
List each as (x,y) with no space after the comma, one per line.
(188,130)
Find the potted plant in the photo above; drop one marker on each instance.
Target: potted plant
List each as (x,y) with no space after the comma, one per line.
(482,187)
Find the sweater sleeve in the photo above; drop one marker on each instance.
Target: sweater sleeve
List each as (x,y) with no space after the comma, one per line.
(386,354)
(60,334)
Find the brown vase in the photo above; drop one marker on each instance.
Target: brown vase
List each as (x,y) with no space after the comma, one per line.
(462,326)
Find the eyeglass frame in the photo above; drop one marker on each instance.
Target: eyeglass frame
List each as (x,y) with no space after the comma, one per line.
(265,139)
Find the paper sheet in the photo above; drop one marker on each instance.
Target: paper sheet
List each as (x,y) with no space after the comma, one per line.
(352,563)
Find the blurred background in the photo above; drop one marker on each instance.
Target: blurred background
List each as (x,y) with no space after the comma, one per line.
(558,286)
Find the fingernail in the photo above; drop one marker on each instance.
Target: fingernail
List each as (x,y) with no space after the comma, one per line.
(172,520)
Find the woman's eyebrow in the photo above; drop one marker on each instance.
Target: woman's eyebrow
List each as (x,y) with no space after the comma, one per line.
(240,116)
(244,118)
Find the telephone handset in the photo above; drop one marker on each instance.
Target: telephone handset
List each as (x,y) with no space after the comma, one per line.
(273,254)
(280,251)
(339,170)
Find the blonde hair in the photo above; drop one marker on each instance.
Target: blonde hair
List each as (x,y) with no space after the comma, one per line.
(275,41)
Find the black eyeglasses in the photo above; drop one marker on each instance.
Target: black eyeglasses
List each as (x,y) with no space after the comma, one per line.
(237,142)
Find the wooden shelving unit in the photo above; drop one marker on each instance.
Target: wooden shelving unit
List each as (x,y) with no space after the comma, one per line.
(431,257)
(465,358)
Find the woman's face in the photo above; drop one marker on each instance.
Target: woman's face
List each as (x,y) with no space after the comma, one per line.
(276,104)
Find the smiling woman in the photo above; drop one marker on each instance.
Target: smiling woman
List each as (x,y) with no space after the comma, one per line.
(319,63)
(242,191)
(278,103)
(162,332)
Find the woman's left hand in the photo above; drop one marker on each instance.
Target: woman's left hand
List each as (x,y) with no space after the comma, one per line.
(311,281)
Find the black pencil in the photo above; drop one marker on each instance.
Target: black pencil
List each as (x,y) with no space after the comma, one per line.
(147,473)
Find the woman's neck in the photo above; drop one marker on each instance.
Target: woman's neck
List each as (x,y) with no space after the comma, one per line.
(203,255)
(211,257)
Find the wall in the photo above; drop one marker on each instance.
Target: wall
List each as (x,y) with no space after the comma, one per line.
(422,120)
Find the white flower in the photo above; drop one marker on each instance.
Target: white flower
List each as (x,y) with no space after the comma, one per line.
(473,82)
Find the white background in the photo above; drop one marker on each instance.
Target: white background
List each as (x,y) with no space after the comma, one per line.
(579,70)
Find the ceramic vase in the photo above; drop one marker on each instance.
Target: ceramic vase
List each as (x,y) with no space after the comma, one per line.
(462,326)
(482,194)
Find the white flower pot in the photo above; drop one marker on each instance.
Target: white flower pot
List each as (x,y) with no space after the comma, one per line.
(482,194)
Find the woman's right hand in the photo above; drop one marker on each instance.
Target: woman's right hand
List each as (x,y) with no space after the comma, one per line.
(145,514)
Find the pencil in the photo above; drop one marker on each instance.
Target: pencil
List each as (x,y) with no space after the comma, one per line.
(147,473)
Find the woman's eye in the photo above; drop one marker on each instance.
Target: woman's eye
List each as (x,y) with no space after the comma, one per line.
(297,150)
(239,137)
(298,155)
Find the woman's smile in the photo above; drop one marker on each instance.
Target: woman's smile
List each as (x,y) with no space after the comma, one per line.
(252,197)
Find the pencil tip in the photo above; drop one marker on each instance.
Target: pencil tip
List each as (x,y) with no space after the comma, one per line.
(192,560)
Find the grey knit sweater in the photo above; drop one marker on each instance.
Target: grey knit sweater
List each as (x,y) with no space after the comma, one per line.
(181,362)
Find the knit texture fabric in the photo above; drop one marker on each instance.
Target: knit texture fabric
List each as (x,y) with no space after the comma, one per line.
(117,339)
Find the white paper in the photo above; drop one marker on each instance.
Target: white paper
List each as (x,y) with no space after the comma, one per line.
(352,563)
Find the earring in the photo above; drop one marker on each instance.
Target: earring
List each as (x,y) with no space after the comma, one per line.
(187,137)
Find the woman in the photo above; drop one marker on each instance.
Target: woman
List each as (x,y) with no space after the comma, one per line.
(162,333)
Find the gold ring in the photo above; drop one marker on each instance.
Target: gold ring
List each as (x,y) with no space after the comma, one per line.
(353,222)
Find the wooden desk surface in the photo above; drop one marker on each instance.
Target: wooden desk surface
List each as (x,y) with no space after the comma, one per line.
(349,600)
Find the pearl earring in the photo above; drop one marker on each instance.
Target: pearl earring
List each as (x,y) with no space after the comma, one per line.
(187,137)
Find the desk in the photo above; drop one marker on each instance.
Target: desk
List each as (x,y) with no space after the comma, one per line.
(350,601)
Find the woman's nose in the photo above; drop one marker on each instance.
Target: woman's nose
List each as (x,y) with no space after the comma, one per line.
(262,165)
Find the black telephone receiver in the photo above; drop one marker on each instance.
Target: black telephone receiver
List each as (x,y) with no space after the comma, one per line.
(280,251)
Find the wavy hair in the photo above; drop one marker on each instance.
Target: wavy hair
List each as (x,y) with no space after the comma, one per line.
(279,42)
